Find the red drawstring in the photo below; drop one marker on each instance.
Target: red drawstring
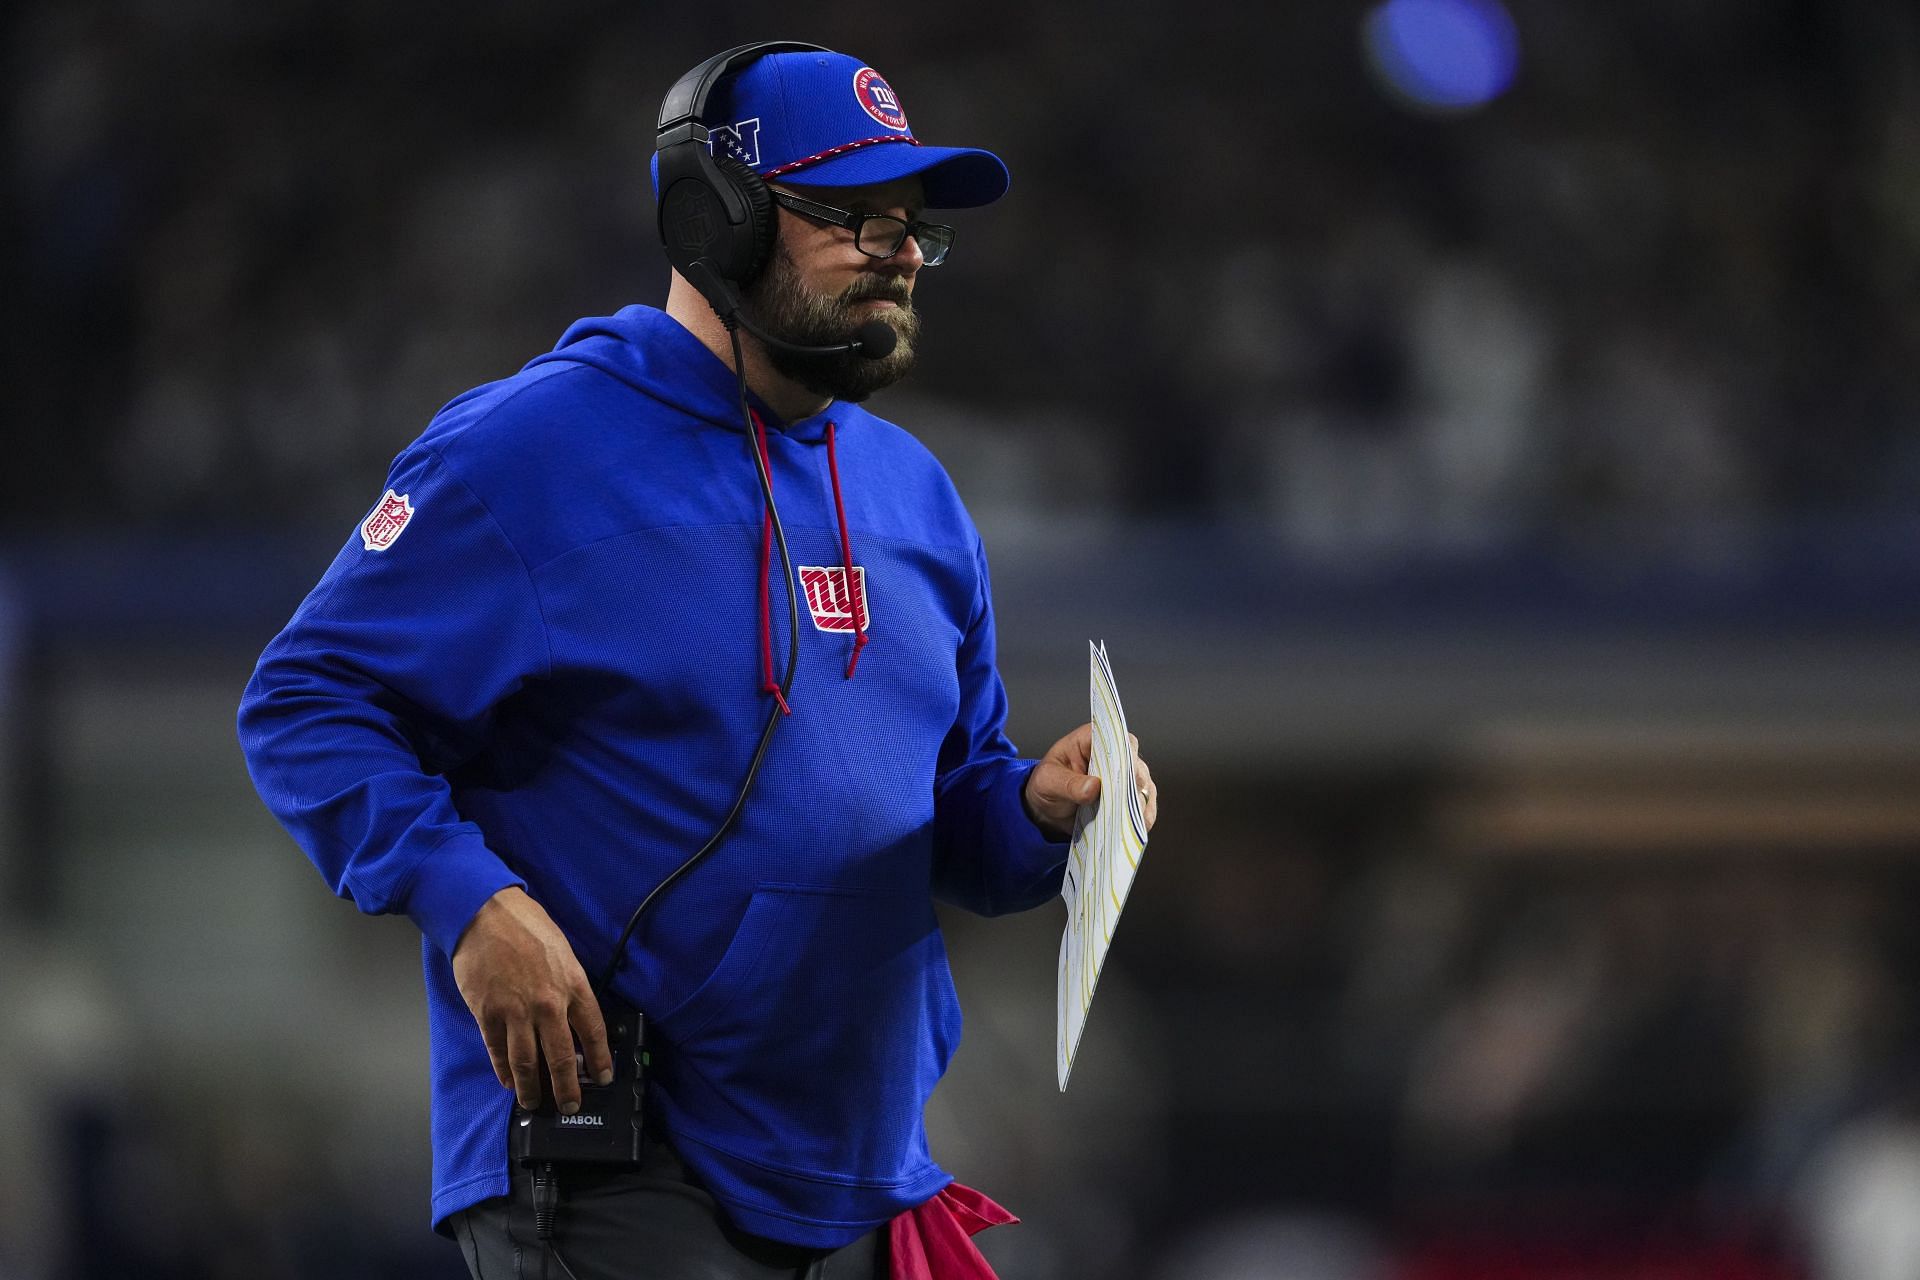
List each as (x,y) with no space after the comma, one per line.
(767,683)
(856,598)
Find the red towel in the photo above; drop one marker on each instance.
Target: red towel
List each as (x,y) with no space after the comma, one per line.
(932,1241)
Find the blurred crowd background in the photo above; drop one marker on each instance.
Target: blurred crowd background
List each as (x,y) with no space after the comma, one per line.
(1486,439)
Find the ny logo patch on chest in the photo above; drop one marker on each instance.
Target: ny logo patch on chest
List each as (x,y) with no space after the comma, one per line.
(833,606)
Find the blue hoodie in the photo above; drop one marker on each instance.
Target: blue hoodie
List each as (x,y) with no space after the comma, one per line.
(539,663)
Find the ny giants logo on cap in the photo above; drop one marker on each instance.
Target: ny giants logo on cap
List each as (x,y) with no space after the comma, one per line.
(827,598)
(388,521)
(878,100)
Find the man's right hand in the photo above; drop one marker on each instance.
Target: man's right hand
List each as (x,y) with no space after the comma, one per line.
(527,991)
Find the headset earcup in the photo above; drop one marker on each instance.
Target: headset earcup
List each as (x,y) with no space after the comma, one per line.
(756,238)
(712,207)
(698,192)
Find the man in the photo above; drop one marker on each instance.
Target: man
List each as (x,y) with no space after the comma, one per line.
(532,684)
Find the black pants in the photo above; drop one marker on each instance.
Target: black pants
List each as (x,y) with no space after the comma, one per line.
(653,1223)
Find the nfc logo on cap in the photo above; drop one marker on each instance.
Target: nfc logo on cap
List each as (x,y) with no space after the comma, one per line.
(741,141)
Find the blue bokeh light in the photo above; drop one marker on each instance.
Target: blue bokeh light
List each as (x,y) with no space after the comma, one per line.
(1443,55)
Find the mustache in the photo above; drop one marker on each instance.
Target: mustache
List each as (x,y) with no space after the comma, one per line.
(884,288)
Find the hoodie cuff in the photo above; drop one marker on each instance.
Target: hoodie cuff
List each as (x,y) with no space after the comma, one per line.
(450,886)
(1036,861)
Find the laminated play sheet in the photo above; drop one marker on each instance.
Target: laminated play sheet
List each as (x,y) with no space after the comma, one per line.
(1109,839)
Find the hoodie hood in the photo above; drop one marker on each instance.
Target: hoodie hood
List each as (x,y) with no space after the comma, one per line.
(652,352)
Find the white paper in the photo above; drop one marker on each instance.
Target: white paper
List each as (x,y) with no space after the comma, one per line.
(1109,839)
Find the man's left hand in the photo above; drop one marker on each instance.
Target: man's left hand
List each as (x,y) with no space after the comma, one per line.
(1060,783)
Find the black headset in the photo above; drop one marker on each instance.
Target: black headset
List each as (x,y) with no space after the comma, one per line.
(712,207)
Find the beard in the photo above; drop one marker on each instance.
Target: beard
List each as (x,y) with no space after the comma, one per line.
(787,309)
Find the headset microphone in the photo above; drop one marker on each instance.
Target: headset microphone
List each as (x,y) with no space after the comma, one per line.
(875,340)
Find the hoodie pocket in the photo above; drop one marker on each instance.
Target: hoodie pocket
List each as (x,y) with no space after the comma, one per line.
(829,1019)
(751,938)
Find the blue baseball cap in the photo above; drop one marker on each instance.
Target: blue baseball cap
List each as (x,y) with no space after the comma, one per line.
(827,120)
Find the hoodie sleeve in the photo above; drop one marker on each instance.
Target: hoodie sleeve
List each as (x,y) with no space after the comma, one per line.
(989,857)
(386,676)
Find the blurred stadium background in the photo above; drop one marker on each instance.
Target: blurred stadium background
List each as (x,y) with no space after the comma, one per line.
(1484,437)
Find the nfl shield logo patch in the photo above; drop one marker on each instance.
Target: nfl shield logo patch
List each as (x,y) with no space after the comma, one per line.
(834,608)
(388,521)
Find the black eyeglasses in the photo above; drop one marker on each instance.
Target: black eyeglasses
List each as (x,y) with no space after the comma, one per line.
(878,235)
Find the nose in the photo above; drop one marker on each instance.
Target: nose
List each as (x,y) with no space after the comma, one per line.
(907,259)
